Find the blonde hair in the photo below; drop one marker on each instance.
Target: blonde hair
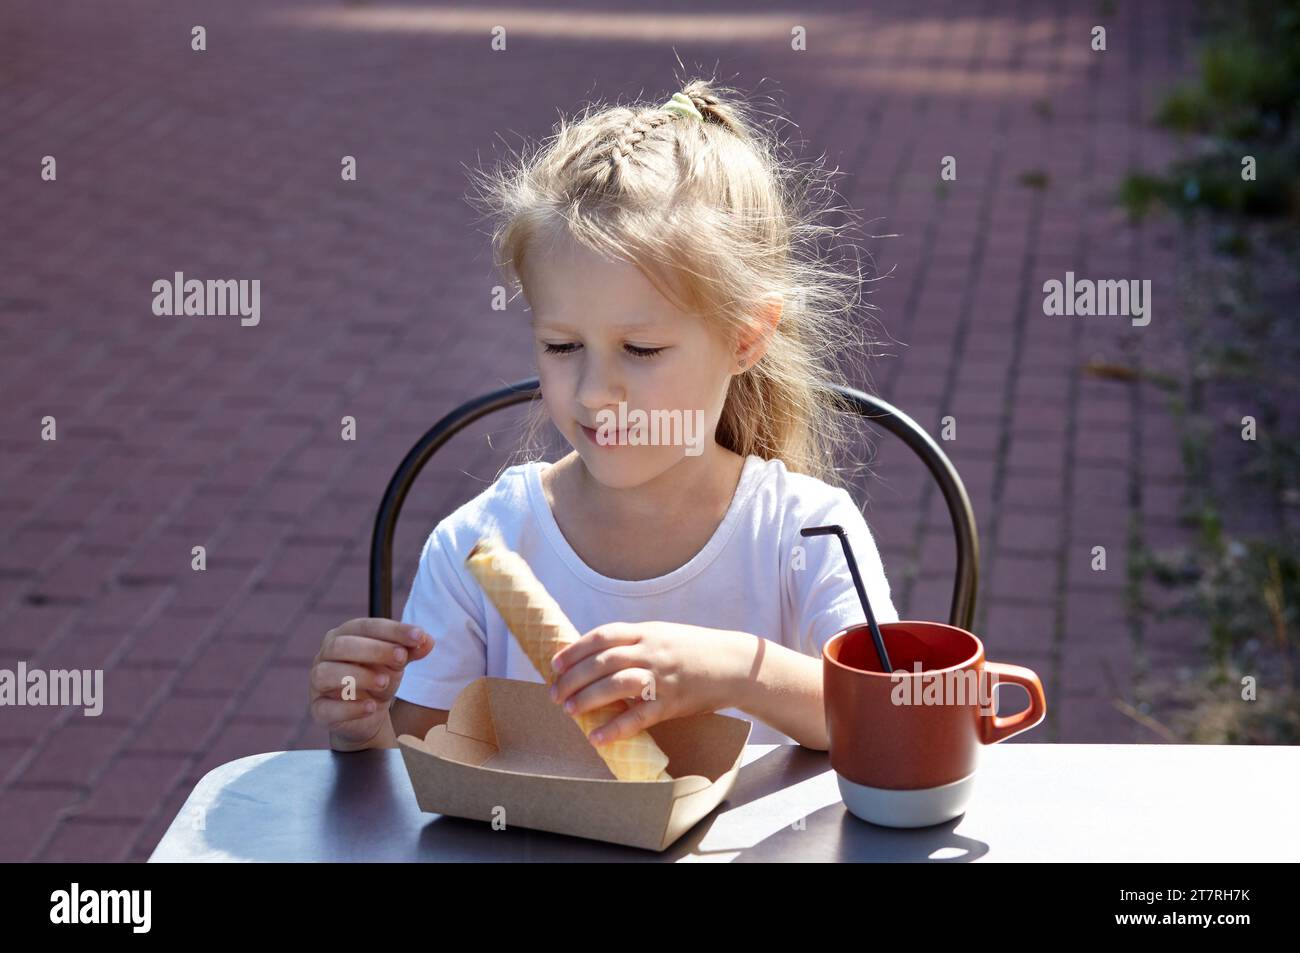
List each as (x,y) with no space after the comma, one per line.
(718,217)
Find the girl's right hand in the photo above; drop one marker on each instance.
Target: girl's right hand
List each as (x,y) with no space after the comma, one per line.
(374,652)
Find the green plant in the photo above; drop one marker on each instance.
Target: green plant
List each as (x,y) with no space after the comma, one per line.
(1140,191)
(1239,580)
(1243,103)
(1244,91)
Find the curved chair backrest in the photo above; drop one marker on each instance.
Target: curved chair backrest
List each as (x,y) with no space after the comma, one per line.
(873,408)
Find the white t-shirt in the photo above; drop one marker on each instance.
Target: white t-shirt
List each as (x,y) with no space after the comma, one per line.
(748,577)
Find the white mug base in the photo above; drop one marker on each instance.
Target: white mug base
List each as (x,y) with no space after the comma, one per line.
(920,807)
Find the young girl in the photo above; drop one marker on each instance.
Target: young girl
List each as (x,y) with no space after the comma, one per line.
(669,259)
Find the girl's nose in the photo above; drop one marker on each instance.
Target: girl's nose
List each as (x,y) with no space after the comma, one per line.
(598,386)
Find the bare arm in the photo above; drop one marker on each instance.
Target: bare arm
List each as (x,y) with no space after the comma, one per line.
(784,689)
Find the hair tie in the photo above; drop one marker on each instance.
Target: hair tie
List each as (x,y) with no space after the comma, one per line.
(681,104)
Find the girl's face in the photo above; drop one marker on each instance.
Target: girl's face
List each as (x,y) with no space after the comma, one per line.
(604,337)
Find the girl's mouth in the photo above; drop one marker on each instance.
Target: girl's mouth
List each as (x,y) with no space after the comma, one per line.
(618,438)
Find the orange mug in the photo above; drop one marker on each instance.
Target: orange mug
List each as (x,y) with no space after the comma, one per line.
(904,745)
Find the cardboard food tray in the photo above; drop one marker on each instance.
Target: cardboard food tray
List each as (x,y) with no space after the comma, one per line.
(506,745)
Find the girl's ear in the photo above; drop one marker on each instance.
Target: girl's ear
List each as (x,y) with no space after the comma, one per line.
(754,343)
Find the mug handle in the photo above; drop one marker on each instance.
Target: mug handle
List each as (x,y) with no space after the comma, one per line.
(995,728)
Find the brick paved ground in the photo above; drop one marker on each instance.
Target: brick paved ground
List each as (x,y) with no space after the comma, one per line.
(176,432)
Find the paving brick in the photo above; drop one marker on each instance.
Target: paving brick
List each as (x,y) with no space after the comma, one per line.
(1037,453)
(1099,524)
(27,629)
(303,565)
(86,841)
(1038,389)
(281,693)
(317,462)
(1082,566)
(938,553)
(225,666)
(74,753)
(294,499)
(1011,630)
(305,639)
(1083,720)
(211,589)
(73,507)
(1102,484)
(1099,670)
(38,810)
(84,647)
(1037,531)
(267,613)
(120,527)
(204,512)
(126,606)
(132,787)
(1105,446)
(930,599)
(247,541)
(31,550)
(165,557)
(181,726)
(169,638)
(239,739)
(82,576)
(22,727)
(130,690)
(159,488)
(1093,614)
(1162,501)
(348,590)
(1024,580)
(1034,490)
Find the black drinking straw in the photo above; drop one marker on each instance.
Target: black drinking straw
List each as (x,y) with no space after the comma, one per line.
(857,581)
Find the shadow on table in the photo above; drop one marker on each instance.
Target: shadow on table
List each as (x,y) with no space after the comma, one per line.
(782,808)
(830,832)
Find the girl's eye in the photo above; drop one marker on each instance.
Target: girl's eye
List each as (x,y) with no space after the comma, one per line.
(645,352)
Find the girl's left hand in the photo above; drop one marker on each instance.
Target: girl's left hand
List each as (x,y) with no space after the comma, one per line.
(665,669)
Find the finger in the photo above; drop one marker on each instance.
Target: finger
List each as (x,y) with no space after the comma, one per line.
(424,648)
(601,637)
(594,667)
(629,683)
(332,711)
(383,630)
(330,678)
(638,717)
(363,650)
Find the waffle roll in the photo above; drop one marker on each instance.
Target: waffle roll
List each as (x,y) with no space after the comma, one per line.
(542,629)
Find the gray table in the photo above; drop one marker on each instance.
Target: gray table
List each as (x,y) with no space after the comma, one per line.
(1032,802)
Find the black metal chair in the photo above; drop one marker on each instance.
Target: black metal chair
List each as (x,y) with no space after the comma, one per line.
(873,408)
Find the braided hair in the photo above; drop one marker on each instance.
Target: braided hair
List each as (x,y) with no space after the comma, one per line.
(719,218)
